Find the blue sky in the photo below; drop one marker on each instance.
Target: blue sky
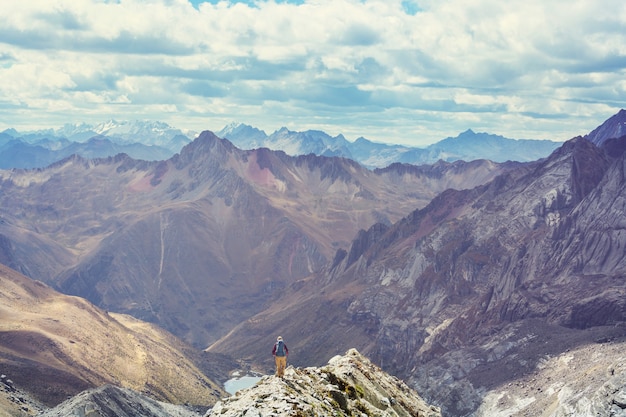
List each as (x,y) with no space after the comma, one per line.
(396,71)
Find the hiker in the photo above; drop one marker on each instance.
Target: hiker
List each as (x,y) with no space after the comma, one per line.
(280,353)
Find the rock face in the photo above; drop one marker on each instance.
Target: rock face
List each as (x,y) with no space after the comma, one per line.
(349,385)
(589,380)
(614,127)
(112,401)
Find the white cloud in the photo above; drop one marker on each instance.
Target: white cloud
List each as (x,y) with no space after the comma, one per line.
(360,67)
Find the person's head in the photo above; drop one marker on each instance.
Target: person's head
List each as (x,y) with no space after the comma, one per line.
(279,338)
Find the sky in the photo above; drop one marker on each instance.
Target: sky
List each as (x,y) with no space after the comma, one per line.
(397,71)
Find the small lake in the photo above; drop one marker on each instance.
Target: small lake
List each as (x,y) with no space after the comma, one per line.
(235,384)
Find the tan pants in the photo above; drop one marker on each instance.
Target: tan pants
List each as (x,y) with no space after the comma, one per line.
(281,363)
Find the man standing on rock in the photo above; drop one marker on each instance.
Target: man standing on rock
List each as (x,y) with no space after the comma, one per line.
(280,353)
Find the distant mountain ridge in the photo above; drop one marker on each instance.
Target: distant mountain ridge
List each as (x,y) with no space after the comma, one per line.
(467,146)
(146,132)
(151,141)
(15,153)
(144,140)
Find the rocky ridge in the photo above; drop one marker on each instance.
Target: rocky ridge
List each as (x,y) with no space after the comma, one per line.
(112,401)
(16,402)
(349,385)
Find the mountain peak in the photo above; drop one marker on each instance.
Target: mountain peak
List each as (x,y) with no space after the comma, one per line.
(347,385)
(237,128)
(11,132)
(283,130)
(614,127)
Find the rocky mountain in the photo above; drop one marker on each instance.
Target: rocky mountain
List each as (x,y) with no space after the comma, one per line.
(202,241)
(53,346)
(466,146)
(481,290)
(614,127)
(349,385)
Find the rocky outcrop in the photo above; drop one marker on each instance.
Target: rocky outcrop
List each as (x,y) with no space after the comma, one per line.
(112,401)
(15,401)
(587,380)
(349,385)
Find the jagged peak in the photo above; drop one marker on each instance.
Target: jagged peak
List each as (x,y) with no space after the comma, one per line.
(613,127)
(11,132)
(282,130)
(235,127)
(204,138)
(207,146)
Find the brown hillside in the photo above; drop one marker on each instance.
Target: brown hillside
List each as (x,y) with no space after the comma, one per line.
(53,345)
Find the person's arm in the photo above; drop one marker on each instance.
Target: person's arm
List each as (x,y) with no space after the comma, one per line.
(274,350)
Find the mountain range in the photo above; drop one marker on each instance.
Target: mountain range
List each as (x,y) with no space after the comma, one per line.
(467,146)
(479,283)
(145,140)
(153,141)
(204,240)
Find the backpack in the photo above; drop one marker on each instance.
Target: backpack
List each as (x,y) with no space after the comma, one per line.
(280,348)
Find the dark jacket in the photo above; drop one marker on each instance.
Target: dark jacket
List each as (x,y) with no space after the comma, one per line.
(274,350)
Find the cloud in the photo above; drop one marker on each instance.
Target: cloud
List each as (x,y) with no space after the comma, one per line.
(423,70)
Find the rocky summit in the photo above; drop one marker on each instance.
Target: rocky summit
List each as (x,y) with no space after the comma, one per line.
(349,385)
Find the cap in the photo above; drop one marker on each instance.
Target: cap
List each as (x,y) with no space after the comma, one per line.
(280,338)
